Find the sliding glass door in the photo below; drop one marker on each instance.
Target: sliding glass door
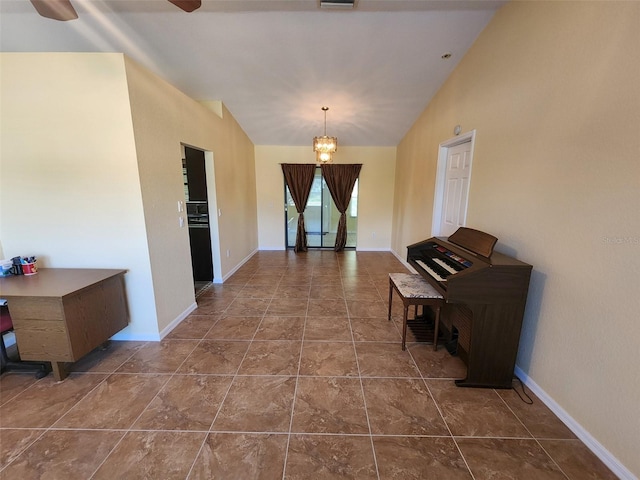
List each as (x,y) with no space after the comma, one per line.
(321,216)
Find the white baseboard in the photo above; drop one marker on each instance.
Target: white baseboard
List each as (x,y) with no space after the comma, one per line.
(126,335)
(592,444)
(237,267)
(133,336)
(165,331)
(404,262)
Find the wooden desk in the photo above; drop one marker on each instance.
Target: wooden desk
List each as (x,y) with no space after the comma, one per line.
(61,314)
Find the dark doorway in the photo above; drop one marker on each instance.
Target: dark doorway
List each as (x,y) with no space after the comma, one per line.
(195,188)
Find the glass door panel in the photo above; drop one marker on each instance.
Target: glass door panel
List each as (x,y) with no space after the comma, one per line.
(320,216)
(352,218)
(291,220)
(314,213)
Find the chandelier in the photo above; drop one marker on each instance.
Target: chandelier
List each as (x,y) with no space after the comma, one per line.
(324,146)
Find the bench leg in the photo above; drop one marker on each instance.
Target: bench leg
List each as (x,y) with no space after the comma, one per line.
(390,297)
(404,328)
(436,324)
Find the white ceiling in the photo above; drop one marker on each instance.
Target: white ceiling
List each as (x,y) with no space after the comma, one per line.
(275,63)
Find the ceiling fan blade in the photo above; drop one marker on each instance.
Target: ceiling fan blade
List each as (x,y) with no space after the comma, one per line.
(187,5)
(56,9)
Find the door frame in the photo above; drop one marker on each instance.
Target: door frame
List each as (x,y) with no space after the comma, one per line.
(214,213)
(441,170)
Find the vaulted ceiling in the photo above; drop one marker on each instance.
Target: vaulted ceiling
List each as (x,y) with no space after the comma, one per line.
(275,63)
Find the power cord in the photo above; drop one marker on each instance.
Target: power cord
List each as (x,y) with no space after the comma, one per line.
(524,392)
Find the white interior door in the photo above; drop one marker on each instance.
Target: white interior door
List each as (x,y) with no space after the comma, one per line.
(456,188)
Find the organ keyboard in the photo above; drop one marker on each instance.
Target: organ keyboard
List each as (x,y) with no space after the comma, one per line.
(485,294)
(432,272)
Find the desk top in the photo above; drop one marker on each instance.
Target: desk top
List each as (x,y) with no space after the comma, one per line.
(54,282)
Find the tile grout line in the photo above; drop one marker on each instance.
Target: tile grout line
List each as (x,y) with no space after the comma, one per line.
(5,401)
(208,432)
(424,381)
(235,375)
(533,437)
(107,376)
(364,400)
(295,388)
(50,427)
(124,431)
(171,376)
(433,398)
(22,450)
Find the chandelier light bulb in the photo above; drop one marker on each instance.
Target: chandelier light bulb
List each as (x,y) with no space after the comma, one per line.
(325,146)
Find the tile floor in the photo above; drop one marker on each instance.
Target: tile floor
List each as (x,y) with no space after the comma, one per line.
(290,370)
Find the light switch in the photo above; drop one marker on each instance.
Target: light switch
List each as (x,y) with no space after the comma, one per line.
(181,222)
(180,206)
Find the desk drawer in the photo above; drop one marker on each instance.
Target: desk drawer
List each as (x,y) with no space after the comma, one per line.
(43,340)
(27,308)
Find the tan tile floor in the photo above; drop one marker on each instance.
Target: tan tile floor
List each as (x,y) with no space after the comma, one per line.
(290,370)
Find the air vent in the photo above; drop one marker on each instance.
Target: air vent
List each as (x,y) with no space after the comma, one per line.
(341,4)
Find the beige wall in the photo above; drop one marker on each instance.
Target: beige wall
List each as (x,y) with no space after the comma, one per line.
(70,192)
(91,176)
(164,119)
(375,200)
(553,91)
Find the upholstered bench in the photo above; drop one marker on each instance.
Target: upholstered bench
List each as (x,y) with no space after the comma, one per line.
(415,290)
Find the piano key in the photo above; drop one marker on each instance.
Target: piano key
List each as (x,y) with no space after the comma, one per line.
(430,271)
(445,265)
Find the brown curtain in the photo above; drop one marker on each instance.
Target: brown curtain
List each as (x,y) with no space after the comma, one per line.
(299,177)
(340,179)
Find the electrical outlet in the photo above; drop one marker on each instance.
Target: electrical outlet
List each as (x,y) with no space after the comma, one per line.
(228,253)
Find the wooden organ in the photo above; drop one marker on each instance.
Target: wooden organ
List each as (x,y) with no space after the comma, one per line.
(485,294)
